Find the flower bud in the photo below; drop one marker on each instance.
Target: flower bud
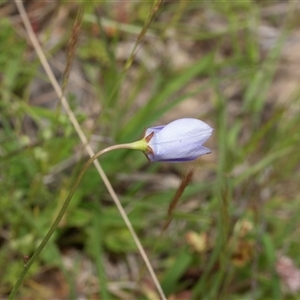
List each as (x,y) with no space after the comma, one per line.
(180,140)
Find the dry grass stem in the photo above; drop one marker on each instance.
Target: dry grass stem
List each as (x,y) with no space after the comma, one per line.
(58,90)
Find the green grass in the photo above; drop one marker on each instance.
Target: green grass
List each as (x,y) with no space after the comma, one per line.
(250,178)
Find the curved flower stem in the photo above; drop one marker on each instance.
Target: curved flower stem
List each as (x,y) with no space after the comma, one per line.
(62,212)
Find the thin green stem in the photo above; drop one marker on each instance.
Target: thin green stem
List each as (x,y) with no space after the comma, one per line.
(61,214)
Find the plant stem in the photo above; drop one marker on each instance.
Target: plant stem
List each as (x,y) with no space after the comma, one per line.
(61,214)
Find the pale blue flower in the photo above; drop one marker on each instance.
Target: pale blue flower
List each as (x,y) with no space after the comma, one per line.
(180,140)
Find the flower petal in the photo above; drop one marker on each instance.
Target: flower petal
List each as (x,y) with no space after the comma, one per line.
(154,129)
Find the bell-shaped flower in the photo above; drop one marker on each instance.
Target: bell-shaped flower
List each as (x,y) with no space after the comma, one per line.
(180,140)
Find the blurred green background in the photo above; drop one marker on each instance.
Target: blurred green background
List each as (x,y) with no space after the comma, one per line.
(235,231)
